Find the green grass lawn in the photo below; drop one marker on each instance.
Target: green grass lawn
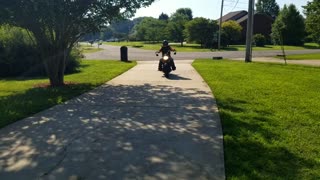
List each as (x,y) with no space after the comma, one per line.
(89,49)
(156,46)
(20,97)
(271,118)
(197,48)
(273,47)
(313,56)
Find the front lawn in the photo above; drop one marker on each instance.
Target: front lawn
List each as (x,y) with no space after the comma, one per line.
(273,47)
(314,56)
(20,97)
(197,47)
(89,49)
(157,46)
(271,118)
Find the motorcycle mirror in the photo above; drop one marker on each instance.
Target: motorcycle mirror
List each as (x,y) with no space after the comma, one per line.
(175,53)
(157,54)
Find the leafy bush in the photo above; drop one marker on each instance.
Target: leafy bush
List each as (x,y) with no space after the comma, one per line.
(19,55)
(260,40)
(231,32)
(73,63)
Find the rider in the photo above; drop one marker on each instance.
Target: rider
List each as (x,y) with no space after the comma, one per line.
(166,49)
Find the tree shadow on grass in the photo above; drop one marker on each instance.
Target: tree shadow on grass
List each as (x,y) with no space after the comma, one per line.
(266,47)
(230,49)
(24,104)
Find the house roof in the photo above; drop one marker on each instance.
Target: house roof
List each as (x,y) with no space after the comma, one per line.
(244,18)
(233,16)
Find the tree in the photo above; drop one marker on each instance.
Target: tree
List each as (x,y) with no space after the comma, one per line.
(312,12)
(163,17)
(121,28)
(176,27)
(231,32)
(58,24)
(177,23)
(201,30)
(289,27)
(269,7)
(185,11)
(150,29)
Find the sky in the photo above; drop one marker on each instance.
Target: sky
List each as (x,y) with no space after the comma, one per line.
(205,8)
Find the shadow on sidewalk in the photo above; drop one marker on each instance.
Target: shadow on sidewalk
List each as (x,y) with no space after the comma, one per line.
(119,132)
(177,77)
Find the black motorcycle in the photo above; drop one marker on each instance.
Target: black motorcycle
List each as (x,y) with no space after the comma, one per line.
(166,64)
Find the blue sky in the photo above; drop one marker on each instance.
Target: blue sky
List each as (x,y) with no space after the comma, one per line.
(205,8)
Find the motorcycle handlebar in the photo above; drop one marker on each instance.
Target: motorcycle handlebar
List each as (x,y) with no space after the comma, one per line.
(157,53)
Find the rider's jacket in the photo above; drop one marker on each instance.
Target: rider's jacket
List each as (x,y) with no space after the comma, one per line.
(166,50)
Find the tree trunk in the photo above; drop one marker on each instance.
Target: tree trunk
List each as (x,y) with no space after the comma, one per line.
(55,66)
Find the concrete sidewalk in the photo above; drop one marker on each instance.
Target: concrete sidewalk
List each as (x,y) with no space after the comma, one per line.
(139,125)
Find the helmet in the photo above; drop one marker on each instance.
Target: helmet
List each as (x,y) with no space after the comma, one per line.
(165,43)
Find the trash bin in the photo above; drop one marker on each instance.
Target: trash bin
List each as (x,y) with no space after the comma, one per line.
(124,53)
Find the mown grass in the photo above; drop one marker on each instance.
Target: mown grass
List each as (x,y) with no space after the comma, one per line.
(89,49)
(20,97)
(197,47)
(270,115)
(156,46)
(273,47)
(313,56)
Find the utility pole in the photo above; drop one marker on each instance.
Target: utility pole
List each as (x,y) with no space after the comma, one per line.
(220,23)
(249,31)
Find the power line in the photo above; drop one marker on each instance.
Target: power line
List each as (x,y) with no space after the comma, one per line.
(234,4)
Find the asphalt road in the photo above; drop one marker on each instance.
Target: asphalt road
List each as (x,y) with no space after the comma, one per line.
(113,53)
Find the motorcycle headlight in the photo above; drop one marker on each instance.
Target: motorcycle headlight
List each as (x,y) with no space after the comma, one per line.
(165,58)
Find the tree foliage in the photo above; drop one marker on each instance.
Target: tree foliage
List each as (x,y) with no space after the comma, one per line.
(151,29)
(289,27)
(312,12)
(19,55)
(259,40)
(163,17)
(185,11)
(58,24)
(269,7)
(201,30)
(231,32)
(176,27)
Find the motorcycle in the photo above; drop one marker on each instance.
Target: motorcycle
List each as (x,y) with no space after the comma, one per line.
(166,63)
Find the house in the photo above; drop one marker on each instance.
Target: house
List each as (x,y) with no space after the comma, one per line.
(234,16)
(262,23)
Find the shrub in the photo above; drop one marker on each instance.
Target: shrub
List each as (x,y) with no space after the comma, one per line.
(19,55)
(231,32)
(259,40)
(73,63)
